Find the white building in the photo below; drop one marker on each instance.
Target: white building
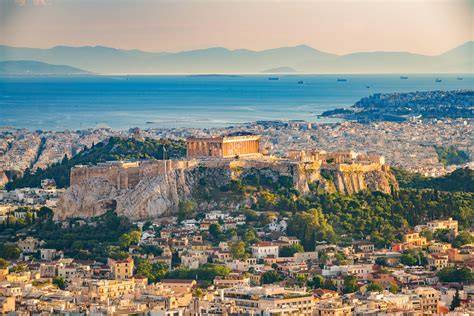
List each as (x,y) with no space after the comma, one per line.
(264,249)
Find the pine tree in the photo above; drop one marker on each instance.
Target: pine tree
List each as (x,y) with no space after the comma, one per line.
(456,302)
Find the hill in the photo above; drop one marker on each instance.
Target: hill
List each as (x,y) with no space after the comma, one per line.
(114,148)
(31,67)
(402,106)
(102,59)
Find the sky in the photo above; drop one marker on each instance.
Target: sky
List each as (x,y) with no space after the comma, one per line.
(420,26)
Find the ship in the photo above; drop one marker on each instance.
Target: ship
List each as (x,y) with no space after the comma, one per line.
(300,82)
(273,78)
(341,79)
(438,80)
(403,77)
(460,78)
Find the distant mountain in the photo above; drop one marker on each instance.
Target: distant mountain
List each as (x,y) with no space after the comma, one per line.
(305,59)
(31,67)
(279,70)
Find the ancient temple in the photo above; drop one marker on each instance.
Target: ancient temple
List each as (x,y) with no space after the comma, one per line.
(223,147)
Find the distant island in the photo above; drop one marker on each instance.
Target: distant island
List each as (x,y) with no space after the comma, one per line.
(400,107)
(31,67)
(280,70)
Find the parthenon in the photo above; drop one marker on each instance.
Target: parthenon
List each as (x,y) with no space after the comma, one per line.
(230,146)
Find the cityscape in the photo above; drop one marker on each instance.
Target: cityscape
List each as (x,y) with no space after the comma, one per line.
(163,178)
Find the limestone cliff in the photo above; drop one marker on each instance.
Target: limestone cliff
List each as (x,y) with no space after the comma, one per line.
(158,195)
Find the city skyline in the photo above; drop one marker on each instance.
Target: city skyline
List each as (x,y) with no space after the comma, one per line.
(340,27)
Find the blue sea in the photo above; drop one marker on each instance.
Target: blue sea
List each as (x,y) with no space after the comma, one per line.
(121,102)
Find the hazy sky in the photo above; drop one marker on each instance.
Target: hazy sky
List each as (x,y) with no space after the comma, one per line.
(426,27)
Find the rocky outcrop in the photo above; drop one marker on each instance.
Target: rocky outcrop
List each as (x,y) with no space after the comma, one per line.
(157,195)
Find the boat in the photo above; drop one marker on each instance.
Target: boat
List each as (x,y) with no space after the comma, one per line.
(460,78)
(403,77)
(273,78)
(341,79)
(438,80)
(368,87)
(300,82)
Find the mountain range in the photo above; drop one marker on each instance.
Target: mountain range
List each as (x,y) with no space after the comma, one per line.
(302,59)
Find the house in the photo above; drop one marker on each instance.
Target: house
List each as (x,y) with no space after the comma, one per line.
(290,240)
(50,254)
(410,241)
(29,245)
(121,269)
(438,261)
(448,224)
(264,249)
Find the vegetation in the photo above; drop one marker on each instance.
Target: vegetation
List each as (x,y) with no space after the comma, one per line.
(458,180)
(289,251)
(453,274)
(451,155)
(99,238)
(153,271)
(334,217)
(204,274)
(60,283)
(115,148)
(270,277)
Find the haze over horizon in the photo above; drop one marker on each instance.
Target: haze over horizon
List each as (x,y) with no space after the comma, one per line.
(339,27)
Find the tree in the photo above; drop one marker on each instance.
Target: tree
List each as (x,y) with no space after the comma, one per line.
(237,249)
(135,237)
(186,209)
(9,252)
(316,282)
(153,271)
(374,287)
(463,238)
(59,282)
(350,284)
(4,263)
(270,277)
(309,227)
(250,236)
(394,288)
(215,231)
(329,285)
(456,302)
(453,274)
(289,251)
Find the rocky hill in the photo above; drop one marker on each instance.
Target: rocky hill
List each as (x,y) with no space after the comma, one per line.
(214,185)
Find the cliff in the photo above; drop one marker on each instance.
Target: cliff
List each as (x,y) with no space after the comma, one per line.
(159,193)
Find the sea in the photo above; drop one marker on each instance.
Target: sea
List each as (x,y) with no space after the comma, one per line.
(169,101)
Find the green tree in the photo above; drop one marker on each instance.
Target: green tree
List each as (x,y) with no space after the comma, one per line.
(394,288)
(456,302)
(9,252)
(270,277)
(453,274)
(237,249)
(215,231)
(186,209)
(374,287)
(316,282)
(60,283)
(4,263)
(350,284)
(153,271)
(463,238)
(289,251)
(310,226)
